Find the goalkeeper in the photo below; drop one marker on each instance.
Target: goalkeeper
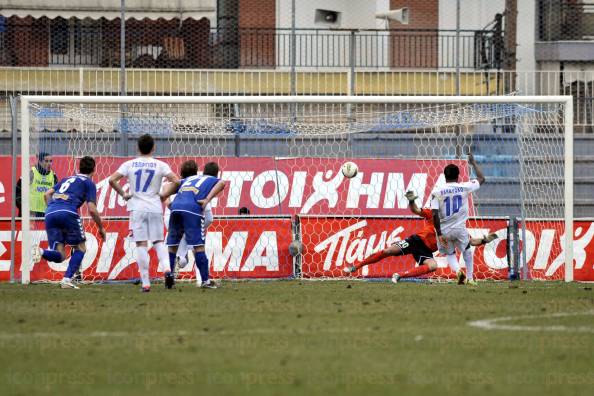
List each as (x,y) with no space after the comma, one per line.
(421,245)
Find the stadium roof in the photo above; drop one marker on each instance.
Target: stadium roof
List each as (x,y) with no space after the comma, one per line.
(110,9)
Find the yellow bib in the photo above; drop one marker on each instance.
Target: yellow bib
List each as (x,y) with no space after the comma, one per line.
(39,186)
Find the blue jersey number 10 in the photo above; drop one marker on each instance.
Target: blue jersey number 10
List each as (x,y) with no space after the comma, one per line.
(149,178)
(452,205)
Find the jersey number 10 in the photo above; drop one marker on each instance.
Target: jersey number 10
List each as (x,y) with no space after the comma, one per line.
(452,205)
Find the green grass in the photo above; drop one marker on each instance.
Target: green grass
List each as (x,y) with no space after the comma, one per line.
(292,337)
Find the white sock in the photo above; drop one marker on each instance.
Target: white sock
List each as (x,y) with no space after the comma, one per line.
(163,255)
(468,259)
(183,261)
(142,259)
(453,263)
(182,249)
(182,252)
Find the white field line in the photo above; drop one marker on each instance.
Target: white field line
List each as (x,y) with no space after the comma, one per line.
(499,323)
(197,332)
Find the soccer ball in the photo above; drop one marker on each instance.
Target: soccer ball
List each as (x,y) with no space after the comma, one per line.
(349,169)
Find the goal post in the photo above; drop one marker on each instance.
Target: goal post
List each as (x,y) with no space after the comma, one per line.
(310,131)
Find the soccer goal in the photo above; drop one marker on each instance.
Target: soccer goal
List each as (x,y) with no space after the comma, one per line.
(288,210)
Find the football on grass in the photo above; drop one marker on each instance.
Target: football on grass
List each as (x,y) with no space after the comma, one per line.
(349,169)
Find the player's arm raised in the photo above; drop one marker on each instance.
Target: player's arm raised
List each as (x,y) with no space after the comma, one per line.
(411,196)
(477,170)
(94,213)
(114,182)
(216,190)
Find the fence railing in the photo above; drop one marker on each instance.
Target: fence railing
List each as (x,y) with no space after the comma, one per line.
(97,44)
(102,81)
(565,20)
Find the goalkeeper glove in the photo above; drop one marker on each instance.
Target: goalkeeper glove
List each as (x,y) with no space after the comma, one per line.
(410,195)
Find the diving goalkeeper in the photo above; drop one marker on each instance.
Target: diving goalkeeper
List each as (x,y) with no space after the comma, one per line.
(421,245)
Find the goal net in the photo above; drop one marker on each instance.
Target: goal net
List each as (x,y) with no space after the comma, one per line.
(288,211)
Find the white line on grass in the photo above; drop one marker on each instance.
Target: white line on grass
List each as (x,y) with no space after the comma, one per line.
(197,332)
(498,323)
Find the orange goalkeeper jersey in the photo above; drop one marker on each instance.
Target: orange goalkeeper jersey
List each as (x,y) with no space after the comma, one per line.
(427,234)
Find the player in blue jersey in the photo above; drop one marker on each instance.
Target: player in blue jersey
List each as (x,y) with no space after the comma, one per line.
(63,224)
(187,213)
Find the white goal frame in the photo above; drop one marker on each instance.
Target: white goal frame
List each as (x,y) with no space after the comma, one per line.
(567,101)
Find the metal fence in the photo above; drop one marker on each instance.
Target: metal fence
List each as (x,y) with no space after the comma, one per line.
(90,43)
(102,81)
(565,20)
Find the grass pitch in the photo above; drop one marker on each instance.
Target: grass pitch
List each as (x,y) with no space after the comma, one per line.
(297,337)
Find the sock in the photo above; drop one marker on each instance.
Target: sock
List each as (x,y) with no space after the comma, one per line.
(417,271)
(183,251)
(183,260)
(143,265)
(52,255)
(374,258)
(468,259)
(163,256)
(74,264)
(453,263)
(202,264)
(183,247)
(198,279)
(172,261)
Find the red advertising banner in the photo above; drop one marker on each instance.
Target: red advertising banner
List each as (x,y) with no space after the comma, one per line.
(301,185)
(329,244)
(236,248)
(259,248)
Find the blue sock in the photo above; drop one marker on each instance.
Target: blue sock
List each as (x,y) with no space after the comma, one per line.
(75,261)
(202,264)
(52,255)
(172,261)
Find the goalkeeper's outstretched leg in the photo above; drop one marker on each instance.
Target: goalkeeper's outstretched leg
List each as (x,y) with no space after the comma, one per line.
(415,245)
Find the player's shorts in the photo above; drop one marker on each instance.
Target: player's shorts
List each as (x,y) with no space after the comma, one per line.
(185,223)
(458,238)
(414,245)
(64,227)
(146,226)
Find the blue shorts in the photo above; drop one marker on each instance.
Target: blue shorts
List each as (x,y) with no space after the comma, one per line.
(190,224)
(64,227)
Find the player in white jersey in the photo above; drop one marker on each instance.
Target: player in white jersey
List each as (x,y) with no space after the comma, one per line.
(449,203)
(145,175)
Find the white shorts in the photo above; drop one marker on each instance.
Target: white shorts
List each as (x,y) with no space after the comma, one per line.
(457,238)
(146,226)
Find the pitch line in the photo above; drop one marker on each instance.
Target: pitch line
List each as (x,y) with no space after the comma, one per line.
(197,332)
(499,323)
